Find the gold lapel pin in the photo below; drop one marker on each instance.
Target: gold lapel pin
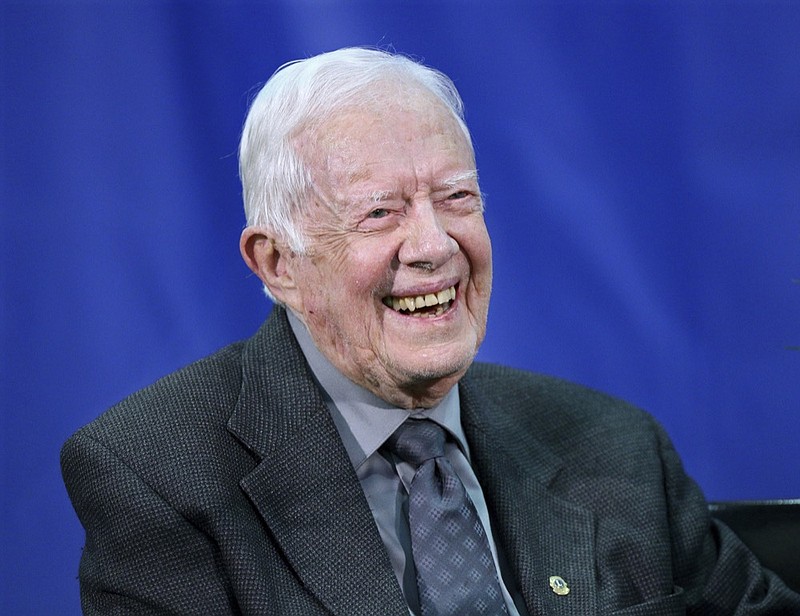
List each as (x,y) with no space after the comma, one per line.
(558,585)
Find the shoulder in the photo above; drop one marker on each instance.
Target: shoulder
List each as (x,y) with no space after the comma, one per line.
(206,387)
(160,431)
(570,417)
(590,448)
(519,388)
(171,437)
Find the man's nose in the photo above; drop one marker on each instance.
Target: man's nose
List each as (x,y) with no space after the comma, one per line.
(427,243)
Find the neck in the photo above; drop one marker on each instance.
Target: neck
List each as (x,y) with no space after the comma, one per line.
(412,397)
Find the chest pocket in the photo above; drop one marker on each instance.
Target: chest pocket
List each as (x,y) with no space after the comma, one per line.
(671,605)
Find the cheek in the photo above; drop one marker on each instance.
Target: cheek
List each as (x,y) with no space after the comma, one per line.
(340,290)
(473,238)
(484,252)
(368,269)
(316,291)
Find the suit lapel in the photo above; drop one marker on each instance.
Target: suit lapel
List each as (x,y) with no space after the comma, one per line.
(309,496)
(305,487)
(541,534)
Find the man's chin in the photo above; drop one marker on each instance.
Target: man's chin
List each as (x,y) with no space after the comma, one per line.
(431,373)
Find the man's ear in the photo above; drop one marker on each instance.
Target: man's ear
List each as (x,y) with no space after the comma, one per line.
(270,261)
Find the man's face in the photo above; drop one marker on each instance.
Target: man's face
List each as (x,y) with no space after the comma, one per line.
(394,287)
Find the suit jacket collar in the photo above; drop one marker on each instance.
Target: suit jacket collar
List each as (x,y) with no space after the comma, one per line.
(304,486)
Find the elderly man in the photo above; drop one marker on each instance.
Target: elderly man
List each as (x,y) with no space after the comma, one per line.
(350,458)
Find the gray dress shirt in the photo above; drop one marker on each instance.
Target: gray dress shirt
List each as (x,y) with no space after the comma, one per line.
(364,422)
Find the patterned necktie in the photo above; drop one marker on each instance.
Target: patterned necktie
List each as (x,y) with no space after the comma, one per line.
(455,570)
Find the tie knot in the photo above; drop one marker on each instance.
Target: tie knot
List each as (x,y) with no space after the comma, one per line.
(417,440)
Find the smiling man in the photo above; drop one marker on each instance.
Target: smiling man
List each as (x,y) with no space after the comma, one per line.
(394,275)
(351,458)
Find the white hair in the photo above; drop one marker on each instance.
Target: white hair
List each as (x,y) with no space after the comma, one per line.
(300,95)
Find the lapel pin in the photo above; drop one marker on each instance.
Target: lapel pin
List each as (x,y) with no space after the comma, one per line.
(558,585)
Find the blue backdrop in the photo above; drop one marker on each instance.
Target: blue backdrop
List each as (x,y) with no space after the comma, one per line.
(642,169)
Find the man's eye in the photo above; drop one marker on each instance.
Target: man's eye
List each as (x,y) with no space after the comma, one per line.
(461,194)
(378,213)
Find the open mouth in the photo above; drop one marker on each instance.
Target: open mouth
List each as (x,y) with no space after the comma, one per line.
(429,305)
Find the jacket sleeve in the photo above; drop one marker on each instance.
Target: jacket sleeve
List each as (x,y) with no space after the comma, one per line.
(720,576)
(141,555)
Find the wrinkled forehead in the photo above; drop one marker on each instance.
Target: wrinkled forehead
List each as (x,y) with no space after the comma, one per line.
(389,116)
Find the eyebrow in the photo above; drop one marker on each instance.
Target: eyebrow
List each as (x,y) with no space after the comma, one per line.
(379,196)
(460,177)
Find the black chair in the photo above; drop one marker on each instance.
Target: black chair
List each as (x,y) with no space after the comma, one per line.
(771,529)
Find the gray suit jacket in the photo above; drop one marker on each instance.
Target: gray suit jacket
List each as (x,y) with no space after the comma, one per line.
(224,489)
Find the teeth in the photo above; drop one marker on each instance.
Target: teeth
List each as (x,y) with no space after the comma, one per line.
(412,303)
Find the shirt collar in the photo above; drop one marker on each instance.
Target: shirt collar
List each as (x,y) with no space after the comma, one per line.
(363,419)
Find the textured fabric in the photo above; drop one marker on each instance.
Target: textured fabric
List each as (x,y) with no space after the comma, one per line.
(364,422)
(224,489)
(455,569)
